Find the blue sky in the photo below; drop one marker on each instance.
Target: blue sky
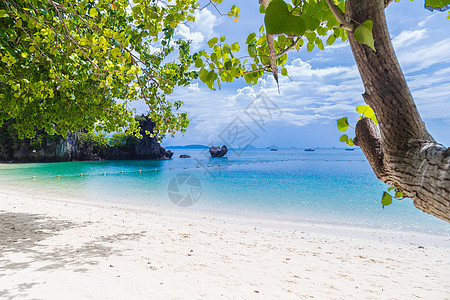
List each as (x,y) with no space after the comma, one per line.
(323,85)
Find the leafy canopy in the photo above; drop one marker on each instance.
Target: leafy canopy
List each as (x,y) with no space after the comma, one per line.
(76,64)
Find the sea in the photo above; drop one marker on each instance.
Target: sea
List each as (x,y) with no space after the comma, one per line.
(325,186)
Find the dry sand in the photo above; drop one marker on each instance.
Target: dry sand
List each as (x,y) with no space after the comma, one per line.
(67,250)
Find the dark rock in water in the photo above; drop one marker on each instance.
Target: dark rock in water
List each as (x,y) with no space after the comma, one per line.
(185,156)
(218,151)
(75,148)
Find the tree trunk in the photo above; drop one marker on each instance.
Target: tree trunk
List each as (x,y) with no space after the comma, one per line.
(402,153)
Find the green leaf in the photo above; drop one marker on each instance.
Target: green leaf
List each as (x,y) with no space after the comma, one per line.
(283,71)
(228,65)
(310,46)
(398,194)
(363,34)
(319,43)
(374,118)
(391,188)
(362,109)
(342,124)
(212,42)
(367,111)
(202,74)
(311,23)
(222,39)
(279,20)
(3,13)
(386,199)
(251,38)
(198,63)
(262,9)
(93,12)
(331,39)
(343,138)
(234,47)
(440,5)
(350,142)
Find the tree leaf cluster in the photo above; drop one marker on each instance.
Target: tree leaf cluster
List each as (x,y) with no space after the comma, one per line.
(76,64)
(292,25)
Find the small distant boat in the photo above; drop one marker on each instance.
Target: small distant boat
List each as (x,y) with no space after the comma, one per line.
(349,149)
(274,149)
(310,149)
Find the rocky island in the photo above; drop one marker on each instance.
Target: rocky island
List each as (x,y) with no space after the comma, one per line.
(218,151)
(80,146)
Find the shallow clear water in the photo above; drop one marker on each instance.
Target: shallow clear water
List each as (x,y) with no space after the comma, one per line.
(325,186)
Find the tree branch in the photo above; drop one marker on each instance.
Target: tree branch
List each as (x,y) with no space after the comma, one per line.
(368,138)
(294,43)
(344,24)
(403,154)
(257,70)
(271,44)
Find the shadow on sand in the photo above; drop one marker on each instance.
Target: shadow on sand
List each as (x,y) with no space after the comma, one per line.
(23,235)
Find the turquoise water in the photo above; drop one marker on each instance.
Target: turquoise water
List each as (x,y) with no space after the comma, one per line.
(325,186)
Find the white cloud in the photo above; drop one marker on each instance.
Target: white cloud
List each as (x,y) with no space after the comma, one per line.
(205,22)
(408,37)
(196,38)
(244,94)
(427,20)
(431,93)
(201,30)
(300,69)
(425,56)
(193,88)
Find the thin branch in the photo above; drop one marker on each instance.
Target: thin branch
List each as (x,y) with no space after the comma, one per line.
(212,3)
(344,24)
(70,36)
(294,43)
(257,70)
(23,29)
(298,4)
(65,9)
(136,60)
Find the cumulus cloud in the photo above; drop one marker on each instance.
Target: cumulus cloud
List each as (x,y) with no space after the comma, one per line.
(196,38)
(244,94)
(200,31)
(205,21)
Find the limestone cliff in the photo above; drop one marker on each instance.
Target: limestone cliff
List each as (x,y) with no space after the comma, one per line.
(58,149)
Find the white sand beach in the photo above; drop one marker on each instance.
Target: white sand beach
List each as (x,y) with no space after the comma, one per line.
(53,249)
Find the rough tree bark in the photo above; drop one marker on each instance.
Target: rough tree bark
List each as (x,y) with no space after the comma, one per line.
(402,153)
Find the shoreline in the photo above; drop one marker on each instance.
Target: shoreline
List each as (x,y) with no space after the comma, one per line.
(54,248)
(325,228)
